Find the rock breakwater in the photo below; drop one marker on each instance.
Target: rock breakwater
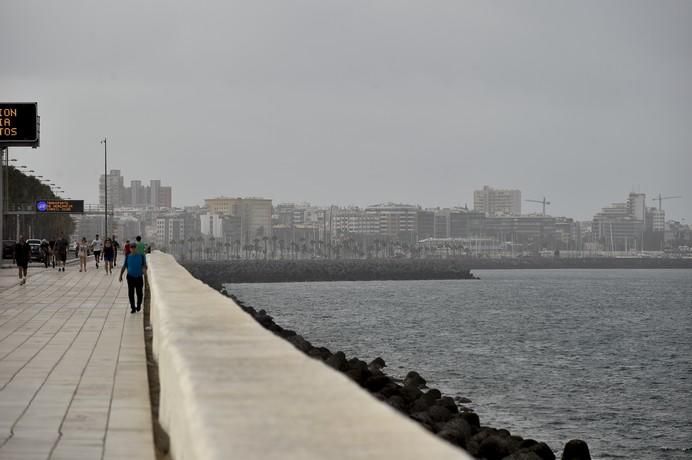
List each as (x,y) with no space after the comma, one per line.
(281,271)
(445,416)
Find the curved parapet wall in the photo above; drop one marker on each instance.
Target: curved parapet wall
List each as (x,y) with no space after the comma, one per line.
(231,389)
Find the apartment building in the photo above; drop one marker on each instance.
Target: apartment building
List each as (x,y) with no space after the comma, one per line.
(494,202)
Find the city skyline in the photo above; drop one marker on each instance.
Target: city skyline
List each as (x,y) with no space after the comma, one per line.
(529,207)
(570,102)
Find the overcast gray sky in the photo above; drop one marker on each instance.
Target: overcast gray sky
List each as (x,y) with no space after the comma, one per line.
(360,102)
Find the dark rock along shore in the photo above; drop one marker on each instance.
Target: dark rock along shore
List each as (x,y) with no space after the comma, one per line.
(282,271)
(446,417)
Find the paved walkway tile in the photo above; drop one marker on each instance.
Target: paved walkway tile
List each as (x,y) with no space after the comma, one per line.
(73,382)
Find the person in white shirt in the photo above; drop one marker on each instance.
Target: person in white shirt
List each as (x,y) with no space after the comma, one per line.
(83,251)
(96,246)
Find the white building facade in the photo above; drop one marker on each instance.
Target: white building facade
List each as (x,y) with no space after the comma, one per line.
(494,202)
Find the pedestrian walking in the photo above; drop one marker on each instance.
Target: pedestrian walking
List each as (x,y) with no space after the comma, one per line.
(140,247)
(83,251)
(96,246)
(51,251)
(61,245)
(116,248)
(136,265)
(45,252)
(108,251)
(22,253)
(127,248)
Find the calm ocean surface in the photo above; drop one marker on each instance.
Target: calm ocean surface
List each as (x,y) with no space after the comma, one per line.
(601,355)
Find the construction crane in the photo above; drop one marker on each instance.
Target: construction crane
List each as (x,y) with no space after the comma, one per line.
(543,202)
(661,198)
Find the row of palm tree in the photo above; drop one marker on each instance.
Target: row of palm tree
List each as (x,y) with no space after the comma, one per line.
(272,248)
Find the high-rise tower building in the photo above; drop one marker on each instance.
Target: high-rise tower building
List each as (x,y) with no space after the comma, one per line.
(495,202)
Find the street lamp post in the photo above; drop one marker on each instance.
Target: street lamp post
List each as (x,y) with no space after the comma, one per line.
(105,185)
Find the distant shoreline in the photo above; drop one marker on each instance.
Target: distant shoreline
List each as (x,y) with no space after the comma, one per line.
(217,273)
(583,263)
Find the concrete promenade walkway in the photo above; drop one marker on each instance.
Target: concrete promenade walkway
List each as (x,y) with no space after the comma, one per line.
(73,381)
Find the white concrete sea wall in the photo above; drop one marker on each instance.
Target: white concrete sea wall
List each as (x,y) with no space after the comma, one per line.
(232,390)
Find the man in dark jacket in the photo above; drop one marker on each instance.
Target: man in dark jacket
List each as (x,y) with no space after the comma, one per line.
(61,246)
(22,253)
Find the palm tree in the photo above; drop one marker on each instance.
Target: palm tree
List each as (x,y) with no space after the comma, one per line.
(219,246)
(200,240)
(190,240)
(274,239)
(282,246)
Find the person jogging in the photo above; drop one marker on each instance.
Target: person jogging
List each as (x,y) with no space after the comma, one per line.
(136,266)
(61,246)
(96,246)
(22,253)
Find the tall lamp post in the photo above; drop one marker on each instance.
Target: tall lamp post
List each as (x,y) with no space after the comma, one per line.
(105,186)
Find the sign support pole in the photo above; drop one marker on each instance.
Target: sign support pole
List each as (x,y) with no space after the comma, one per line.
(3,168)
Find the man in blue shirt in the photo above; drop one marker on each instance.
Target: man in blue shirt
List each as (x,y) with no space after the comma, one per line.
(136,265)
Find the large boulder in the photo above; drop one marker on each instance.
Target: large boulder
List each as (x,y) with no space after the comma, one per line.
(494,447)
(432,394)
(472,419)
(414,378)
(300,343)
(375,383)
(576,449)
(522,455)
(422,404)
(397,402)
(459,429)
(337,361)
(439,413)
(543,451)
(410,393)
(391,389)
(358,375)
(376,364)
(448,403)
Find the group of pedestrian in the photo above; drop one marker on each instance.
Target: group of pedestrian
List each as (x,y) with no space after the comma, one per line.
(108,248)
(55,253)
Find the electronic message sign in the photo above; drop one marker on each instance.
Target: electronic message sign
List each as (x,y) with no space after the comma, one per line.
(71,206)
(19,124)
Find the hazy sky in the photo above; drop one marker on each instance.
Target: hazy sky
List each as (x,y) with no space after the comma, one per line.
(360,102)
